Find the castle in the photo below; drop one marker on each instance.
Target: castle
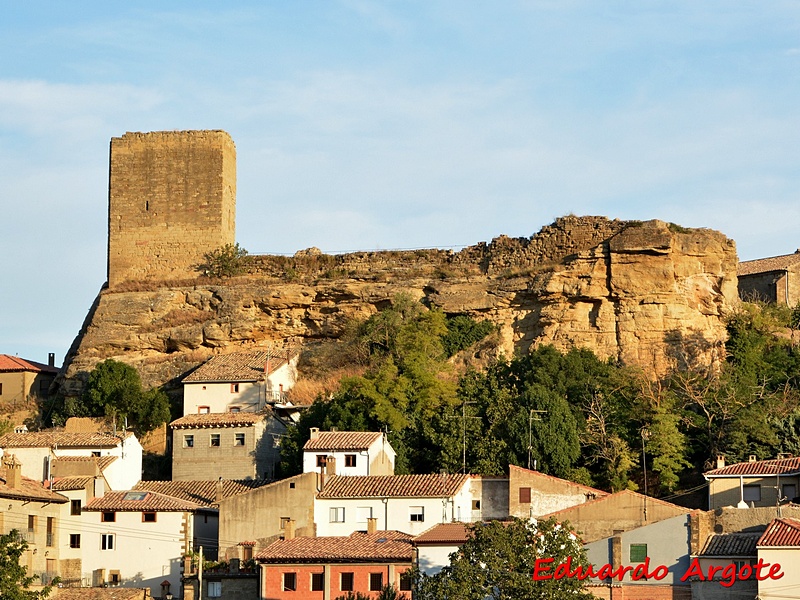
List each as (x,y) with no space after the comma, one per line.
(171,199)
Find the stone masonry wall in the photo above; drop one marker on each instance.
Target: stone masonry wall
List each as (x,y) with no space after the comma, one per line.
(172,198)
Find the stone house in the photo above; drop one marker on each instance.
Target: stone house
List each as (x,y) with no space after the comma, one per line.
(753,483)
(775,279)
(21,379)
(300,568)
(232,445)
(354,452)
(240,382)
(532,494)
(38,450)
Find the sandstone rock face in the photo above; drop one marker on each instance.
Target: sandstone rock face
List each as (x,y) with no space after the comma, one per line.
(649,294)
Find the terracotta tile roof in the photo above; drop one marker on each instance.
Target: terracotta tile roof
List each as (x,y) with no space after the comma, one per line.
(15,364)
(29,489)
(443,533)
(101,594)
(779,466)
(731,544)
(75,482)
(203,493)
(781,533)
(152,501)
(393,486)
(766,265)
(342,440)
(239,366)
(227,419)
(102,462)
(62,439)
(391,546)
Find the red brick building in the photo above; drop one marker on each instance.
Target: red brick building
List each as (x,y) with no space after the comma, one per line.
(328,567)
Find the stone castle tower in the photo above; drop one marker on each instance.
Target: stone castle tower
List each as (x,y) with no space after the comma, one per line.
(171,199)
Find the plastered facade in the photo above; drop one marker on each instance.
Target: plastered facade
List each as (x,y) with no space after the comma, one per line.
(171,199)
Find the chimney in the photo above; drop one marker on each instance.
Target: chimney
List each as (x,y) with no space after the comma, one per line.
(314,433)
(13,472)
(220,491)
(51,359)
(720,461)
(372,525)
(99,487)
(752,458)
(288,529)
(330,466)
(233,566)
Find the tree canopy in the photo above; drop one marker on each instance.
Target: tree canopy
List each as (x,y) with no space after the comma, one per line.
(14,578)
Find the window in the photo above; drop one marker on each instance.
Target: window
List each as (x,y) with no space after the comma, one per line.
(289,582)
(349,460)
(363,513)
(525,495)
(638,553)
(148,517)
(203,410)
(75,507)
(74,540)
(284,521)
(108,517)
(1,389)
(188,441)
(752,493)
(417,513)
(135,496)
(107,541)
(789,491)
(405,582)
(375,582)
(234,388)
(322,460)
(215,589)
(346,582)
(96,453)
(31,523)
(476,505)
(318,582)
(238,439)
(337,514)
(247,553)
(51,528)
(215,439)
(234,409)
(113,577)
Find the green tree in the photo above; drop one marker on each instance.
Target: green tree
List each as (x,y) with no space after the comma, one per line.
(498,562)
(114,389)
(227,261)
(14,578)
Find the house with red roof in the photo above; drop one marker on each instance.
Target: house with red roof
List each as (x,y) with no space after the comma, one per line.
(21,379)
(753,483)
(434,546)
(354,452)
(300,568)
(780,545)
(775,279)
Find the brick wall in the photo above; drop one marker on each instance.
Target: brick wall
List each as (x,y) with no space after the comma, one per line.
(172,198)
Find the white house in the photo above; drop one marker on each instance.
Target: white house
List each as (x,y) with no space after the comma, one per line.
(780,545)
(354,452)
(241,381)
(408,503)
(137,539)
(435,545)
(37,450)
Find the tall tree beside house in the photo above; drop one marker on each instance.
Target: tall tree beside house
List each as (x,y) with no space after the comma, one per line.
(14,578)
(499,559)
(114,389)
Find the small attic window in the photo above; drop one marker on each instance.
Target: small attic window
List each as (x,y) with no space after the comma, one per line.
(134,496)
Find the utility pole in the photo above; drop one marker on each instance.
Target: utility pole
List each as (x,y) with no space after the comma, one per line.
(464,418)
(645,437)
(530,431)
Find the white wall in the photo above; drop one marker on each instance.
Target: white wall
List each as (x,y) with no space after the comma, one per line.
(432,559)
(789,585)
(145,554)
(363,458)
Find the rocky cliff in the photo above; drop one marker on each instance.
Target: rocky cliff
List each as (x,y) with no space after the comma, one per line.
(646,293)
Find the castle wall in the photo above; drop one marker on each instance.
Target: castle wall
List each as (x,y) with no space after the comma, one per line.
(171,199)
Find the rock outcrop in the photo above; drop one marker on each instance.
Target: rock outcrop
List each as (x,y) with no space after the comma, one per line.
(647,293)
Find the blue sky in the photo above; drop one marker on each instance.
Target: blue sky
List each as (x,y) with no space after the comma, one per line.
(396,124)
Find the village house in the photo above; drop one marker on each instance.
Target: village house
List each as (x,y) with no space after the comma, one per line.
(232,445)
(22,379)
(532,494)
(434,546)
(138,539)
(775,279)
(354,452)
(753,483)
(327,567)
(37,450)
(240,382)
(35,512)
(780,545)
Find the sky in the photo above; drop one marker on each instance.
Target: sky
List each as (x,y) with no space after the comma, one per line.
(363,125)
